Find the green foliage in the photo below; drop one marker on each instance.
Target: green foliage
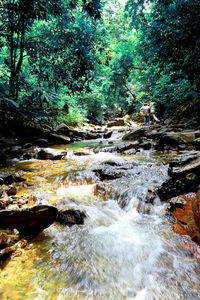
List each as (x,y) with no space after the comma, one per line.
(100,60)
(48,47)
(169,46)
(73,118)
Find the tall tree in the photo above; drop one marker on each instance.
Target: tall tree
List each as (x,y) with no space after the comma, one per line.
(169,46)
(43,32)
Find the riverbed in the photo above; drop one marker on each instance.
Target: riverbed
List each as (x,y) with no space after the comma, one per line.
(125,250)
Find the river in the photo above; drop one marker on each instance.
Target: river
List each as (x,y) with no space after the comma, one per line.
(125,250)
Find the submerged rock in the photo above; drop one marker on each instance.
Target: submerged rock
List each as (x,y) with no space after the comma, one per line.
(9,178)
(70,217)
(108,174)
(28,221)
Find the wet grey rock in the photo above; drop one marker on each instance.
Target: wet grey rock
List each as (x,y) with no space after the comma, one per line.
(176,202)
(41,142)
(70,217)
(150,196)
(27,145)
(130,152)
(125,147)
(146,145)
(184,164)
(110,171)
(182,146)
(112,163)
(28,221)
(11,190)
(107,135)
(62,129)
(111,149)
(178,138)
(49,153)
(58,138)
(122,148)
(184,172)
(107,174)
(156,133)
(27,155)
(81,153)
(171,188)
(133,135)
(9,178)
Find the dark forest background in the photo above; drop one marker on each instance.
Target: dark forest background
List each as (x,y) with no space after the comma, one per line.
(90,60)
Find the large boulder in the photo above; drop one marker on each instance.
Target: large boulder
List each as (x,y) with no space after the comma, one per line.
(49,153)
(57,138)
(177,138)
(62,129)
(7,179)
(74,135)
(127,146)
(28,221)
(117,122)
(185,164)
(135,134)
(184,172)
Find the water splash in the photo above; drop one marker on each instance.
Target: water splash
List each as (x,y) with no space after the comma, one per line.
(118,253)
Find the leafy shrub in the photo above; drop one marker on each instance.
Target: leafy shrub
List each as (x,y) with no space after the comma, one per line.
(73,118)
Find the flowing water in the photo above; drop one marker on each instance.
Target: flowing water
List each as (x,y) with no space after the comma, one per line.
(121,252)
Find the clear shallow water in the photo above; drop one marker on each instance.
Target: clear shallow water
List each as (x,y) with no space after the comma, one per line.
(117,254)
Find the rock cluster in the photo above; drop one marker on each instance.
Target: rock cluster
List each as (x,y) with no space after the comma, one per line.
(164,138)
(184,176)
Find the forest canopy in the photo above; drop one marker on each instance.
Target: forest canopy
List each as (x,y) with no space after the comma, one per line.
(76,60)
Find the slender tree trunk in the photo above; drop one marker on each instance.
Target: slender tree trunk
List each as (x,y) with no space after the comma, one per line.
(132,94)
(12,62)
(16,66)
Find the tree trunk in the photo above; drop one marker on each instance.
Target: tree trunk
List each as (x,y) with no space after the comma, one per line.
(133,95)
(16,66)
(12,62)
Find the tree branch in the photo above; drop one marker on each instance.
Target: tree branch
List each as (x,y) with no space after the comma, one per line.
(137,68)
(132,94)
(34,37)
